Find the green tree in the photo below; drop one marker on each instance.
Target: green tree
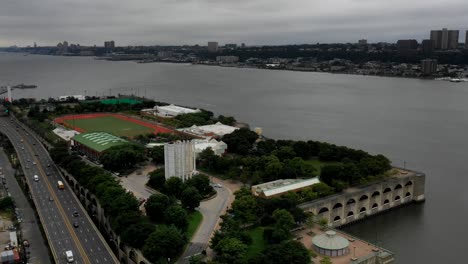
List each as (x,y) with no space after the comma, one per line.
(190,198)
(177,216)
(326,260)
(174,186)
(246,209)
(284,222)
(231,250)
(166,242)
(6,202)
(136,234)
(157,179)
(201,183)
(122,157)
(157,154)
(291,252)
(240,141)
(156,205)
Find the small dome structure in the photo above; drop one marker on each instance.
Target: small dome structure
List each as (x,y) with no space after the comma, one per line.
(331,244)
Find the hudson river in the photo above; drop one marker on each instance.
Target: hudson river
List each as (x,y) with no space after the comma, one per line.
(421,122)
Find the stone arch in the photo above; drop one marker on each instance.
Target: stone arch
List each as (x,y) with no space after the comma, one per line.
(337,218)
(387,190)
(398,187)
(376,193)
(132,255)
(363,198)
(88,196)
(409,183)
(142,262)
(337,205)
(123,261)
(82,191)
(375,205)
(362,210)
(407,194)
(386,202)
(122,246)
(350,213)
(323,210)
(351,201)
(397,198)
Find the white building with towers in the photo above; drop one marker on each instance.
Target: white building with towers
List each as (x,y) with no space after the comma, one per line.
(179,160)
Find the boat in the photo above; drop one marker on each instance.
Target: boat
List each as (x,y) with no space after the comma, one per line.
(24,86)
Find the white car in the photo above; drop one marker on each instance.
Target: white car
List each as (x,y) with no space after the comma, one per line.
(34,163)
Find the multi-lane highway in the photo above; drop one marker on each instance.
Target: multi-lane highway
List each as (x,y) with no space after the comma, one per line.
(65,222)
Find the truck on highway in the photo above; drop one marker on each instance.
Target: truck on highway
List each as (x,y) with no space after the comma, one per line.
(60,185)
(69,255)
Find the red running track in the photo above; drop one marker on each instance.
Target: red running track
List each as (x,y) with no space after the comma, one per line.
(157,129)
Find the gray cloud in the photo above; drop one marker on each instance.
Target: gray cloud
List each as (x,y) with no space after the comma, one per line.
(254,22)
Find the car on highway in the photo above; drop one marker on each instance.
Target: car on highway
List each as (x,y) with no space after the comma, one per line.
(36,178)
(76,214)
(75,224)
(48,165)
(22,148)
(34,163)
(51,199)
(47,173)
(69,256)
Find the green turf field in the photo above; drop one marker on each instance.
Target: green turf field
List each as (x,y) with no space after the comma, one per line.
(109,124)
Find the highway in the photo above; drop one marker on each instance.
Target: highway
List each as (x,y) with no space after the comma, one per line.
(64,230)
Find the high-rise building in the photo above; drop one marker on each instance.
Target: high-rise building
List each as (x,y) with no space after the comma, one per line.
(407,45)
(428,67)
(212,46)
(362,42)
(427,46)
(243,45)
(231,46)
(466,39)
(109,44)
(179,160)
(445,39)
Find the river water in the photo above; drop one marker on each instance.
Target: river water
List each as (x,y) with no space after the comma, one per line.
(422,123)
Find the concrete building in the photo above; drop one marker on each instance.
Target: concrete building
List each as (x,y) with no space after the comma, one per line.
(94,144)
(445,39)
(174,110)
(428,67)
(356,203)
(277,188)
(165,54)
(212,46)
(230,46)
(427,46)
(362,42)
(216,130)
(466,39)
(179,160)
(109,44)
(407,45)
(218,147)
(330,244)
(227,59)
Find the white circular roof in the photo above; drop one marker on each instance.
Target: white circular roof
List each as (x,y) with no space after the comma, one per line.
(330,241)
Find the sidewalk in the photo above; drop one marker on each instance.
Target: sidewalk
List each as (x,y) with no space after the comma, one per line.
(39,252)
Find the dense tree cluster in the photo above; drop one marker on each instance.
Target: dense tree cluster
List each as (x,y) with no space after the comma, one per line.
(277,216)
(158,242)
(122,157)
(200,119)
(280,159)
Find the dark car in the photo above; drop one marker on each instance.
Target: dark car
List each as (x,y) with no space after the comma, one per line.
(76,214)
(75,224)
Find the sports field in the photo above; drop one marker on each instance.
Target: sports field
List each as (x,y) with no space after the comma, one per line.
(115,124)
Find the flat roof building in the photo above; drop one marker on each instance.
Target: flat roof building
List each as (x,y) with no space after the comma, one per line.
(93,144)
(174,110)
(280,187)
(212,46)
(216,130)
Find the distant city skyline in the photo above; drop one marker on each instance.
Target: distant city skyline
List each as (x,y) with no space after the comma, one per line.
(254,22)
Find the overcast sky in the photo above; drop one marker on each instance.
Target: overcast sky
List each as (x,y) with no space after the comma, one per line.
(255,22)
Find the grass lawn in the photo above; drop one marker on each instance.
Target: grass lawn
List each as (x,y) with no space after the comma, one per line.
(194,219)
(258,244)
(318,164)
(111,125)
